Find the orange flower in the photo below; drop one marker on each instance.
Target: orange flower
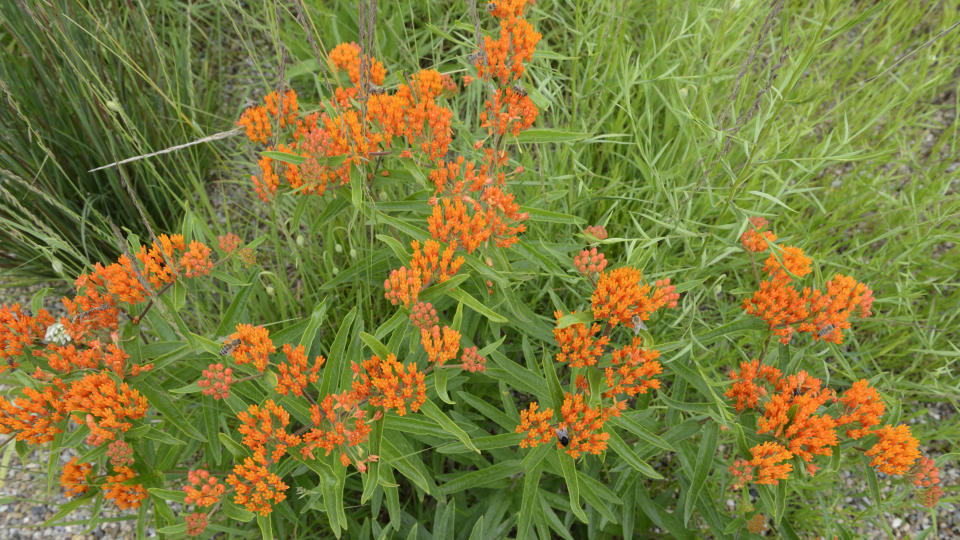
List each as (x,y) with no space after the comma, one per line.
(256,124)
(509,111)
(633,370)
(757,523)
(403,286)
(196,260)
(504,57)
(196,523)
(862,404)
(597,231)
(255,346)
(286,114)
(295,372)
(926,473)
(125,495)
(120,454)
(754,239)
(590,262)
(791,414)
(766,457)
(229,242)
(106,404)
(256,488)
(535,426)
(440,349)
(896,451)
(742,472)
(584,426)
(578,344)
(265,425)
(423,315)
(391,386)
(472,361)
(216,381)
(18,330)
(791,259)
(744,389)
(348,57)
(34,417)
(450,221)
(204,489)
(429,263)
(620,295)
(75,478)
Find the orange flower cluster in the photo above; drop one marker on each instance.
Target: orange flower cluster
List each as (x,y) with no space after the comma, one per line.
(254,346)
(75,478)
(256,488)
(348,57)
(756,239)
(229,242)
(633,370)
(256,121)
(794,412)
(19,330)
(440,349)
(423,315)
(429,263)
(584,425)
(295,373)
(578,344)
(106,404)
(926,477)
(390,386)
(621,295)
(196,523)
(504,57)
(597,231)
(590,262)
(535,426)
(216,381)
(120,453)
(403,286)
(472,361)
(510,111)
(125,495)
(822,314)
(204,489)
(263,431)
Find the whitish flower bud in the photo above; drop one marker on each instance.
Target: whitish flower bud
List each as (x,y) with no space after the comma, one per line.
(56,333)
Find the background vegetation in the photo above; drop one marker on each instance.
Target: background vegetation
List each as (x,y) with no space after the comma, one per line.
(675,122)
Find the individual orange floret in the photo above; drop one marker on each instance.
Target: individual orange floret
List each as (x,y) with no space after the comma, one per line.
(451,221)
(120,454)
(257,489)
(472,361)
(34,417)
(216,381)
(931,496)
(861,404)
(744,389)
(423,315)
(590,262)
(106,405)
(597,231)
(584,426)
(634,370)
(255,122)
(125,495)
(896,451)
(578,343)
(229,242)
(440,348)
(347,57)
(431,264)
(196,523)
(296,372)
(75,479)
(255,346)
(620,295)
(766,458)
(755,238)
(264,426)
(204,489)
(403,286)
(392,386)
(535,426)
(196,261)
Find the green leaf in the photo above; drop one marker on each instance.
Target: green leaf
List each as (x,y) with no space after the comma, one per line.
(235,449)
(553,381)
(285,157)
(431,411)
(167,494)
(395,246)
(316,319)
(374,344)
(211,427)
(704,463)
(474,304)
(156,397)
(266,527)
(483,477)
(373,474)
(529,504)
(233,511)
(569,468)
(626,422)
(337,359)
(548,216)
(660,516)
(630,456)
(580,317)
(440,376)
(550,135)
(230,317)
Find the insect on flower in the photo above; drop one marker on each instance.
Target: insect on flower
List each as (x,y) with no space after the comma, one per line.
(518,90)
(638,324)
(825,330)
(229,346)
(562,436)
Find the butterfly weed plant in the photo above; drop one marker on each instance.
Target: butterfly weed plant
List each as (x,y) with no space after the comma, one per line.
(447,418)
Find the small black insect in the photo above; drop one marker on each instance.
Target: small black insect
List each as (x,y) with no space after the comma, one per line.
(229,347)
(375,90)
(562,436)
(491,6)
